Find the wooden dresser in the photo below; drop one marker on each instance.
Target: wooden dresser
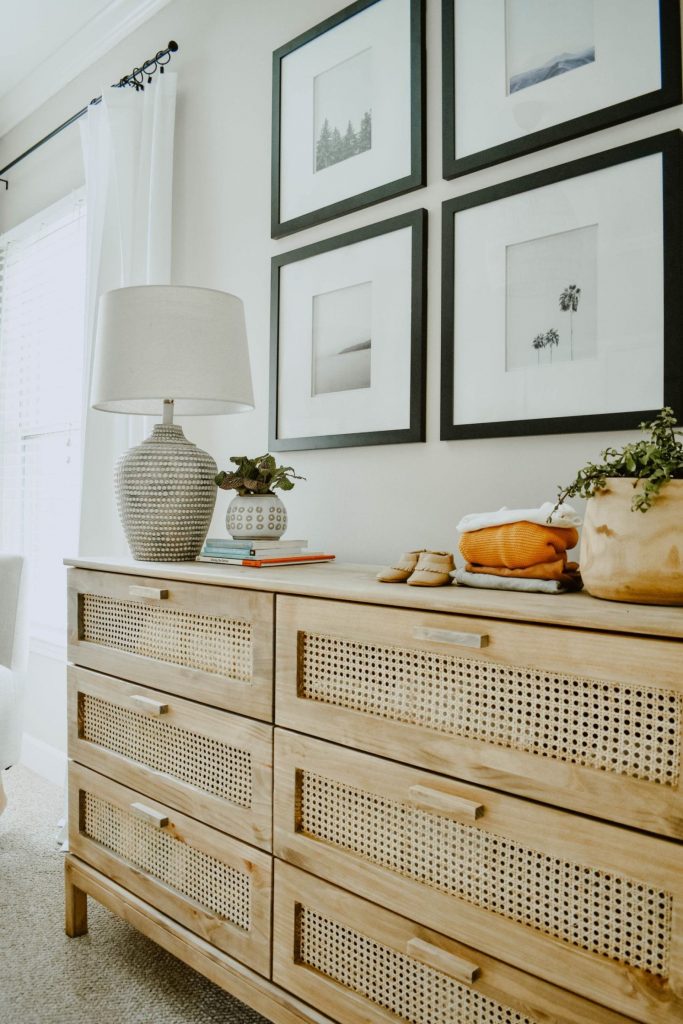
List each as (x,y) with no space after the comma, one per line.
(350,801)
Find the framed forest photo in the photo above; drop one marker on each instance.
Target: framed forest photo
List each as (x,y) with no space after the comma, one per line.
(519,75)
(561,297)
(348,336)
(348,113)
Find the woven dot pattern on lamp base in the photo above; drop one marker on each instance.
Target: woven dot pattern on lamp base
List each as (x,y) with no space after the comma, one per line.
(165,493)
(256,517)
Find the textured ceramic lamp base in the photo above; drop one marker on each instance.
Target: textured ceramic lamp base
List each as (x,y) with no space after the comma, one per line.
(165,493)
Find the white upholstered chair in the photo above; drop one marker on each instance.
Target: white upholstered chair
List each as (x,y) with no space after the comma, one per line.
(13,652)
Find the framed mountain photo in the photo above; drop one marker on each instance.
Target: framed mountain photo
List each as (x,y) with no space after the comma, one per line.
(348,113)
(562,305)
(519,75)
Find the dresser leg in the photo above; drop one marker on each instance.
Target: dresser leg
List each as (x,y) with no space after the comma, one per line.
(75,907)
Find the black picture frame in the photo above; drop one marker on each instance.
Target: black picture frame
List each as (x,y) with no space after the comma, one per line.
(668,95)
(398,186)
(670,146)
(417,221)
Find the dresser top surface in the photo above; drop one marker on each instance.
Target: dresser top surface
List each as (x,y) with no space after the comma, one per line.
(349,582)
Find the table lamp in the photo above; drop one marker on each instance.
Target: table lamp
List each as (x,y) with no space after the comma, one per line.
(176,349)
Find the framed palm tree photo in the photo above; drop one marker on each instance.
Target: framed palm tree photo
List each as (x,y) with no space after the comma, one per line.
(348,113)
(519,75)
(561,297)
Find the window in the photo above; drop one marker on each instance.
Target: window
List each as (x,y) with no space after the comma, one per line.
(42,290)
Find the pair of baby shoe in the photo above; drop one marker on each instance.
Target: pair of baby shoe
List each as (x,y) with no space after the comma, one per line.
(420,569)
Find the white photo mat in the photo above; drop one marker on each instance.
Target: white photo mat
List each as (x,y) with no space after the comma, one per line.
(627,64)
(348,113)
(520,75)
(626,371)
(384,261)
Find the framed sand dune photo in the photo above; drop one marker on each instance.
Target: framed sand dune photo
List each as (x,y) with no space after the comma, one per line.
(342,339)
(347,364)
(561,297)
(519,75)
(348,113)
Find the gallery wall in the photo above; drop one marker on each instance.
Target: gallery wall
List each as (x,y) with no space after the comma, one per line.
(365,504)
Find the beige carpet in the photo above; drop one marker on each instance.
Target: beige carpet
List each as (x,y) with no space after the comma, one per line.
(112,975)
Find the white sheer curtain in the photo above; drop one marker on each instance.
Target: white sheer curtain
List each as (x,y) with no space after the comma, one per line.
(128,153)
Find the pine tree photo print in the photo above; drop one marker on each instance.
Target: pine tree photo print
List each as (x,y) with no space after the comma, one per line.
(343,111)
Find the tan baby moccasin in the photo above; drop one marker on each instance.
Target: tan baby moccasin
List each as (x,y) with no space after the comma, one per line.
(400,572)
(432,569)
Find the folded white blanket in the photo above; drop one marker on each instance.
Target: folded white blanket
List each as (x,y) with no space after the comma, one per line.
(480,579)
(565,515)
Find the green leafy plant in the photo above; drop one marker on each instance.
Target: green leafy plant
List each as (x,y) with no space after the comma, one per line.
(260,475)
(655,460)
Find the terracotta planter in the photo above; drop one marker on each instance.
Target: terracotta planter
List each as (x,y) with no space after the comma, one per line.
(634,556)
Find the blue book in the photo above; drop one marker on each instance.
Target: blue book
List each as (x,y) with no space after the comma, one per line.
(227,542)
(261,550)
(228,552)
(220,544)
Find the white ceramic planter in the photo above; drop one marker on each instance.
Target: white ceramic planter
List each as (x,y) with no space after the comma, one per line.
(256,517)
(634,556)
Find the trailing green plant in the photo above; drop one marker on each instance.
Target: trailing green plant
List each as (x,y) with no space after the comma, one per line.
(654,460)
(260,475)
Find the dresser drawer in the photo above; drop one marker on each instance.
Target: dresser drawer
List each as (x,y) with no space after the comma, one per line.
(207,763)
(214,885)
(213,644)
(593,907)
(364,965)
(576,718)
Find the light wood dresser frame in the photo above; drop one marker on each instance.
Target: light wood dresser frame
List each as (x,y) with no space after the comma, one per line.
(346,801)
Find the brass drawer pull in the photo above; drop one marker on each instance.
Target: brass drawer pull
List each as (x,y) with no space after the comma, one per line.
(445,803)
(149,815)
(440,960)
(152,707)
(449,636)
(152,592)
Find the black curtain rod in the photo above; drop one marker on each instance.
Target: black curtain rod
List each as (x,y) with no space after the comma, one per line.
(136,78)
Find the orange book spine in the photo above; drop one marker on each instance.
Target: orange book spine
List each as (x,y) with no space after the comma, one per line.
(256,563)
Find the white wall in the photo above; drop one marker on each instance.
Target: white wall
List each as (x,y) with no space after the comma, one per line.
(366,504)
(44,741)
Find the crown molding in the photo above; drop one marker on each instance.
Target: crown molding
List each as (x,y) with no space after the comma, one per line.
(84,48)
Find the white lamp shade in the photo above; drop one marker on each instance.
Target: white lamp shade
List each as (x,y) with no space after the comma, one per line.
(157,342)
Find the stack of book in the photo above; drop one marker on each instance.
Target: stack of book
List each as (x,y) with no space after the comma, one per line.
(257,553)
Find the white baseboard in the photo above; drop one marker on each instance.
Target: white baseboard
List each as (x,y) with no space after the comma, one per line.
(43,759)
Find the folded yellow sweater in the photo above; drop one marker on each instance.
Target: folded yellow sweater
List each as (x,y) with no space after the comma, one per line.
(518,545)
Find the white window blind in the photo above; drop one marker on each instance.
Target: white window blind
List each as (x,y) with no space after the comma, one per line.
(42,289)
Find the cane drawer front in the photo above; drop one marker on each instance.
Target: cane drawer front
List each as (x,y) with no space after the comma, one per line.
(362,964)
(210,764)
(576,718)
(212,884)
(593,907)
(210,643)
